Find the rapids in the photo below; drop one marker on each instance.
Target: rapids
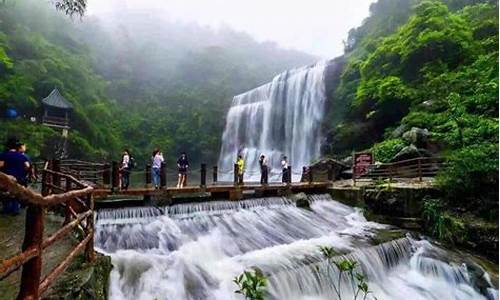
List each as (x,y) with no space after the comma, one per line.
(193,251)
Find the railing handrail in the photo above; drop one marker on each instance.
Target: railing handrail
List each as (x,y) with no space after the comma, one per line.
(32,286)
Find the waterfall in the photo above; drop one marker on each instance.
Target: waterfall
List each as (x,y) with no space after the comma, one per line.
(282,117)
(193,251)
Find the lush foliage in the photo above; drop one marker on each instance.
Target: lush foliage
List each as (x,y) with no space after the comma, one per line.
(434,66)
(441,223)
(140,83)
(345,267)
(251,284)
(386,149)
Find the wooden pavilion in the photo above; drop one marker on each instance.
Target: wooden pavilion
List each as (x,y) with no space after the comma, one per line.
(56,110)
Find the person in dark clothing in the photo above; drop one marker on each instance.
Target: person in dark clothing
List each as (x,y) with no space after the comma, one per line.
(31,173)
(284,167)
(263,169)
(182,166)
(125,169)
(17,165)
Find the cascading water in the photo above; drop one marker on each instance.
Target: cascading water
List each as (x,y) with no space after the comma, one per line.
(282,117)
(193,251)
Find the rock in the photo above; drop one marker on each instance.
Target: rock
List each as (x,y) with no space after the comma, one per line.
(410,152)
(320,169)
(301,200)
(347,161)
(399,131)
(417,136)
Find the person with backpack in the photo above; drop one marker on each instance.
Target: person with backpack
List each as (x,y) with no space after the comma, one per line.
(182,166)
(263,169)
(157,160)
(16,164)
(126,166)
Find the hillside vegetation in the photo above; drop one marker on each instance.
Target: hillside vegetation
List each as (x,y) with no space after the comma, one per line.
(421,78)
(143,83)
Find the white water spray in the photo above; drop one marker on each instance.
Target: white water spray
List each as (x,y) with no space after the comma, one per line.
(193,252)
(282,117)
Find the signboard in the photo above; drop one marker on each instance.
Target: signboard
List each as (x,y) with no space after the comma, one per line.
(361,162)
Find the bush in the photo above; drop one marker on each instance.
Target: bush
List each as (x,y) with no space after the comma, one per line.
(470,180)
(385,151)
(440,223)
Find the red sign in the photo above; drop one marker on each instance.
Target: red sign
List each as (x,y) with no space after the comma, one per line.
(362,161)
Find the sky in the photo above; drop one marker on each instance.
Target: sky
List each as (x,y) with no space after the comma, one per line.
(314,26)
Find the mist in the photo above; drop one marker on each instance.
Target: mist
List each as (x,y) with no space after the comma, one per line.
(317,27)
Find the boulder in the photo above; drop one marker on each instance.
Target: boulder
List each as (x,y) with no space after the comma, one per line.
(320,169)
(399,131)
(417,136)
(301,200)
(410,152)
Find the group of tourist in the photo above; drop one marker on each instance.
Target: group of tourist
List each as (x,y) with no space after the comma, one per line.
(157,160)
(264,169)
(15,162)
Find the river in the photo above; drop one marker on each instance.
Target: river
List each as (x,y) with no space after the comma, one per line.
(193,251)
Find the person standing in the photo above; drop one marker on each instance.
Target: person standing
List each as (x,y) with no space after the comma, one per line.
(157,160)
(263,169)
(31,172)
(125,170)
(284,167)
(16,164)
(241,168)
(182,166)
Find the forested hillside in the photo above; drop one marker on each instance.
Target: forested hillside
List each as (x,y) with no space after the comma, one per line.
(139,84)
(421,79)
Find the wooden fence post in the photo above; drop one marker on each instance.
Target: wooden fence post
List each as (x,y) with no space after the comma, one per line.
(115,176)
(89,248)
(33,238)
(106,174)
(56,166)
(235,174)
(330,173)
(163,175)
(148,175)
(289,177)
(215,174)
(203,179)
(45,189)
(419,170)
(353,169)
(67,210)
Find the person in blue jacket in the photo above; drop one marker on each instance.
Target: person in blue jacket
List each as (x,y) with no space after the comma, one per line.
(16,164)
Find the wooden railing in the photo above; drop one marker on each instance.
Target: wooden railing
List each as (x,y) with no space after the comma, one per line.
(55,121)
(412,168)
(58,189)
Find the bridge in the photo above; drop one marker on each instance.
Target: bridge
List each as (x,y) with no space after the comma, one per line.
(70,188)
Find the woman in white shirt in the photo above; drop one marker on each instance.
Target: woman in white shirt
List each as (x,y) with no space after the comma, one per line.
(157,160)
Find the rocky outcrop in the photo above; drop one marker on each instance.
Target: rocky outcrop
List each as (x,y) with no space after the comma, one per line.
(417,137)
(410,152)
(320,169)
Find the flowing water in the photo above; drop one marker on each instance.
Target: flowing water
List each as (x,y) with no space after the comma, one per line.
(193,251)
(282,117)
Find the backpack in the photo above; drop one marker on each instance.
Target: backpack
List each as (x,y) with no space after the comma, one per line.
(131,163)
